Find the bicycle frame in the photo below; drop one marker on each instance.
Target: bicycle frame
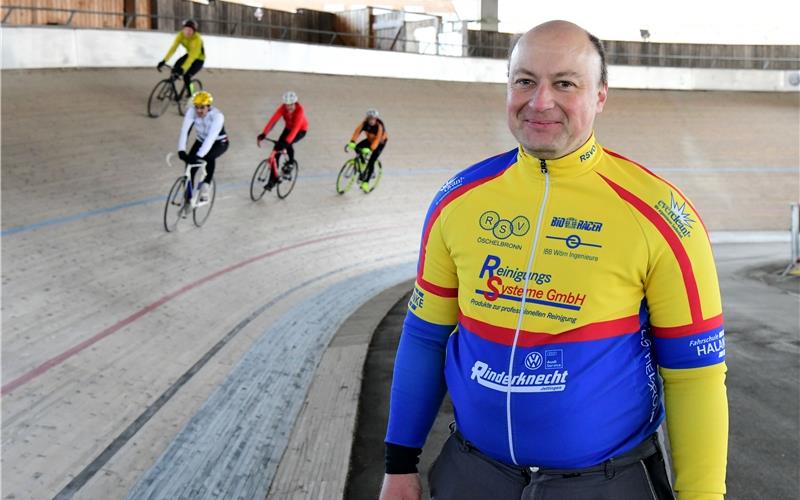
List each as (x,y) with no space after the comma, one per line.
(362,160)
(273,162)
(172,79)
(192,187)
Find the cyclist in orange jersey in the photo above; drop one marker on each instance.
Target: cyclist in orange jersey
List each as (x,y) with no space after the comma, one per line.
(374,143)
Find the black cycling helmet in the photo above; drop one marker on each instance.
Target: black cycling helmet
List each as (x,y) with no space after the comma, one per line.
(190,23)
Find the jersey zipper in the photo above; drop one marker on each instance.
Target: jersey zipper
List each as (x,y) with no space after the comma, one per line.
(546,173)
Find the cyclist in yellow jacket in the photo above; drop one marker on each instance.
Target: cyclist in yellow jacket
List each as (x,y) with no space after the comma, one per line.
(190,63)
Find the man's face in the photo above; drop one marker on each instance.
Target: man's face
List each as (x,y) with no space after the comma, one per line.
(201,111)
(372,120)
(188,32)
(554,90)
(290,107)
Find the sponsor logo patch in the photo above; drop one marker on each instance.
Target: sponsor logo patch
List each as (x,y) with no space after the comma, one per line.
(554,381)
(503,228)
(574,241)
(579,224)
(677,215)
(417,299)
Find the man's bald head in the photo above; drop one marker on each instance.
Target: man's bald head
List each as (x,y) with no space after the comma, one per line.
(566,29)
(556,87)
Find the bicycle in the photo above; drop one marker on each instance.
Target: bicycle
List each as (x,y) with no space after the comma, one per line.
(352,170)
(165,92)
(184,196)
(287,175)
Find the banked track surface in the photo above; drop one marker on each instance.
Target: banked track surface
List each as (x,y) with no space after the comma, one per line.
(103,312)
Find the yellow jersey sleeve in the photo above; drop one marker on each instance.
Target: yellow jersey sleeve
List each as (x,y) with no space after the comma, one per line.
(174,47)
(697,419)
(435,296)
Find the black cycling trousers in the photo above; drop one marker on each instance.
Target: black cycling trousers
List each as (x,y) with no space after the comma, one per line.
(372,158)
(283,144)
(462,472)
(196,66)
(217,150)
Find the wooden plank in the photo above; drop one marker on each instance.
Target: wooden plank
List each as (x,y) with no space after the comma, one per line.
(317,457)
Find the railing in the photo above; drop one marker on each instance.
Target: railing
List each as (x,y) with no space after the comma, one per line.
(794,228)
(268,31)
(792,63)
(253,29)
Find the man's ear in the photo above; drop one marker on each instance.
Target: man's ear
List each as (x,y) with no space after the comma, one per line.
(602,95)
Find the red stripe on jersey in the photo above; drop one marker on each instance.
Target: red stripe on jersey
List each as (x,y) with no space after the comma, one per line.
(672,332)
(685,264)
(617,155)
(436,289)
(594,331)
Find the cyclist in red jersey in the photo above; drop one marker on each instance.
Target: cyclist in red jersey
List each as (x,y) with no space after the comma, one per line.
(295,128)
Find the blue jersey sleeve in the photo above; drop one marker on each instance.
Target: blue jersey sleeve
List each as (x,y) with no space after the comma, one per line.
(418,386)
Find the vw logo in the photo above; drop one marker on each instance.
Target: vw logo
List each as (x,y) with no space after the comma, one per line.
(534,360)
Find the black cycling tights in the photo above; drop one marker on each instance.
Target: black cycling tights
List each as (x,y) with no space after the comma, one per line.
(372,158)
(217,150)
(196,66)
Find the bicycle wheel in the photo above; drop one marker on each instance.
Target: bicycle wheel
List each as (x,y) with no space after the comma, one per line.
(201,212)
(259,180)
(160,97)
(375,179)
(288,177)
(347,175)
(176,200)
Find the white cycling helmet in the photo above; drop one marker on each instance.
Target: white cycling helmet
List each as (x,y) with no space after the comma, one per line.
(372,113)
(289,97)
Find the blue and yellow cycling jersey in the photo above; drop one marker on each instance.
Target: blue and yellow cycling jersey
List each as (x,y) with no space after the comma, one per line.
(549,293)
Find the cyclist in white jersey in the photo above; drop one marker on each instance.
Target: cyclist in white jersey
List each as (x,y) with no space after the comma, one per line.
(211,140)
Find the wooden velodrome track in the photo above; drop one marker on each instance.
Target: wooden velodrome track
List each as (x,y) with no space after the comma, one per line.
(104,313)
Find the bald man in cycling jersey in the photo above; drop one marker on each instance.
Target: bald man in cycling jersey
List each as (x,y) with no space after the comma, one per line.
(190,63)
(555,283)
(295,128)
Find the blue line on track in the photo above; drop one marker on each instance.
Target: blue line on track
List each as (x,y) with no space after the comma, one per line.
(400,173)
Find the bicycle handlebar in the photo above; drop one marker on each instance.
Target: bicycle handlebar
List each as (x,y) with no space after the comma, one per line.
(171,156)
(172,73)
(273,141)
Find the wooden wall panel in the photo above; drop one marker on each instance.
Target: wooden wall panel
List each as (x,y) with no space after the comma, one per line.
(355,28)
(685,55)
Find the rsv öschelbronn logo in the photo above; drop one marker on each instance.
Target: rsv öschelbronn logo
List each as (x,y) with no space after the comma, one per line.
(503,228)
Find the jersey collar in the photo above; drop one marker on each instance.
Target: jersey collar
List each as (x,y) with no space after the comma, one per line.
(578,162)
